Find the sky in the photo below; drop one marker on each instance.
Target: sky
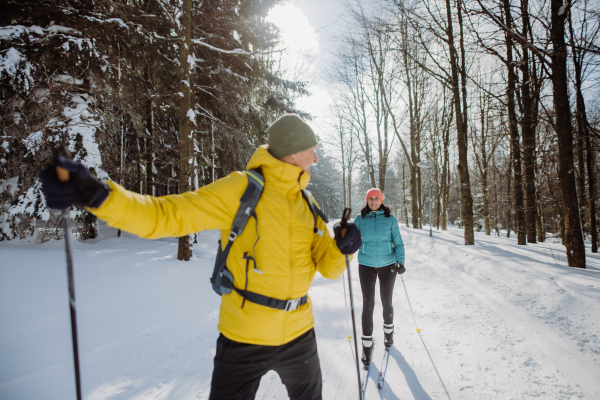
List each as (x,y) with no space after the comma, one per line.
(308,29)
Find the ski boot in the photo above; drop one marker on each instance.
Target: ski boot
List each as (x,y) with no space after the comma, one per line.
(388,333)
(367,342)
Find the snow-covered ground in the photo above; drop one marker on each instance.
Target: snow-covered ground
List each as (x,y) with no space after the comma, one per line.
(498,321)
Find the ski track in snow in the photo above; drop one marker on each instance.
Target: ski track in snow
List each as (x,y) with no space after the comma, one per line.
(498,321)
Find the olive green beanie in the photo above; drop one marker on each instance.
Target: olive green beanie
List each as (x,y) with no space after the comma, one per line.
(290,135)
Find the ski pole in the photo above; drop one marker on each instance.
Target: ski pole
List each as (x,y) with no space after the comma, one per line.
(346,312)
(411,310)
(344,224)
(63,176)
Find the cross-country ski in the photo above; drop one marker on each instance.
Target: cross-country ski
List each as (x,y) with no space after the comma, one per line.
(364,379)
(383,369)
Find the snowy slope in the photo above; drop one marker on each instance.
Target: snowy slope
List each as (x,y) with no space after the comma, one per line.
(497,321)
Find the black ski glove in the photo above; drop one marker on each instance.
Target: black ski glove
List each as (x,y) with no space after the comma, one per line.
(81,188)
(351,241)
(400,268)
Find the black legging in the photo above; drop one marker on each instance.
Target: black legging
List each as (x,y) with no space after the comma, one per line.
(368,277)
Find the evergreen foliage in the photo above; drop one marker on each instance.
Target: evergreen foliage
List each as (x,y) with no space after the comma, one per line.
(102,77)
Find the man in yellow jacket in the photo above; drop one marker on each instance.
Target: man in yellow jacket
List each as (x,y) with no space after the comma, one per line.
(276,255)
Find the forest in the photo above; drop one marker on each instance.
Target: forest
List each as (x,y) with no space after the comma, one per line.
(483,111)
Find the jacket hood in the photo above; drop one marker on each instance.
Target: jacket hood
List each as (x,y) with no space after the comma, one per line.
(285,176)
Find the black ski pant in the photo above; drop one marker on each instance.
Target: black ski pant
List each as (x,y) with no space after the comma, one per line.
(368,278)
(239,367)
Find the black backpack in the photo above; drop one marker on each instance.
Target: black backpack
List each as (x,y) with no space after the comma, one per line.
(222,280)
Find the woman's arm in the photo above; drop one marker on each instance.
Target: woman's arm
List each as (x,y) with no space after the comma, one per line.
(397,240)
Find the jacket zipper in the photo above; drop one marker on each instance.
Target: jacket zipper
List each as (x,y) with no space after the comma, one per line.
(376,247)
(289,296)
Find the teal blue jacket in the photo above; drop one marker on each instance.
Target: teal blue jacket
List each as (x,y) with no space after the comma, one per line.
(382,243)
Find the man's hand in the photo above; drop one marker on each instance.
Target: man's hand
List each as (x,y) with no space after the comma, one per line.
(67,182)
(400,268)
(347,238)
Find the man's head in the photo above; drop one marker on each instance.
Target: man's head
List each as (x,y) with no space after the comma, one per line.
(291,140)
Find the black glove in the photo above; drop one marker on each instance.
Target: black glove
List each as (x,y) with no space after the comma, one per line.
(81,188)
(351,241)
(400,268)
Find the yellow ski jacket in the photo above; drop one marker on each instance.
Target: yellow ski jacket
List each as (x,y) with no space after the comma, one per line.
(287,254)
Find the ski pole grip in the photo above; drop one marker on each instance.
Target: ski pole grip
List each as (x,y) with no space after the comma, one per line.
(61,173)
(344,221)
(345,217)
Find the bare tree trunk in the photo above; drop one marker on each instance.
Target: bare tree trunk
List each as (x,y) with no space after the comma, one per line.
(592,194)
(496,214)
(483,160)
(564,132)
(414,186)
(446,167)
(514,132)
(438,199)
(349,187)
(528,127)
(184,251)
(149,137)
(508,210)
(461,133)
(486,203)
(562,225)
(383,144)
(138,186)
(541,230)
(344,187)
(367,147)
(405,208)
(583,136)
(421,197)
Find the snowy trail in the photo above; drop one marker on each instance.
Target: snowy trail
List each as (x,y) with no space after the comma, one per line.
(498,321)
(477,343)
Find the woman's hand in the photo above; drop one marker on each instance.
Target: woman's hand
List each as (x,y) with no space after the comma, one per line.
(400,268)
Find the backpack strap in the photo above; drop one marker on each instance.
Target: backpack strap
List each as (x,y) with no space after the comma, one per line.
(316,211)
(222,280)
(287,305)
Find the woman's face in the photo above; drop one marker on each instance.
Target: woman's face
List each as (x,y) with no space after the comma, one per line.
(374,203)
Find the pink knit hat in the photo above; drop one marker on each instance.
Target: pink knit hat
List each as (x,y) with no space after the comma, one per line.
(374,192)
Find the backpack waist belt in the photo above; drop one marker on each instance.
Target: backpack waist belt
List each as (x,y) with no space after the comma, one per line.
(287,305)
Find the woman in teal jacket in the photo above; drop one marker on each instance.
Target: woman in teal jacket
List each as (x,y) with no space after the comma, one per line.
(381,255)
